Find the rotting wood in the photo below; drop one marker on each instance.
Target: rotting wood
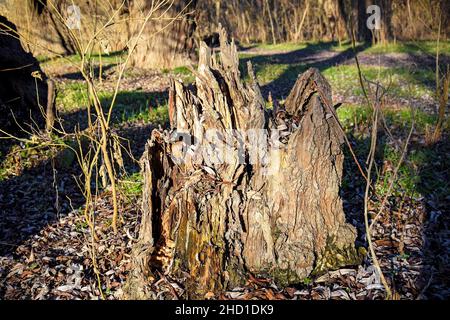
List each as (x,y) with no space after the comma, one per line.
(268,205)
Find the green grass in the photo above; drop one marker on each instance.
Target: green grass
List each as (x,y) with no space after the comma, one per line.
(267,72)
(316,45)
(129,106)
(156,115)
(408,177)
(3,173)
(351,115)
(416,47)
(71,96)
(401,82)
(418,173)
(131,186)
(411,47)
(112,58)
(183,72)
(132,106)
(286,46)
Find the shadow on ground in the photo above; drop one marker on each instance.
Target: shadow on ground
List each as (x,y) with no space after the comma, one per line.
(434,186)
(95,71)
(323,56)
(317,56)
(38,195)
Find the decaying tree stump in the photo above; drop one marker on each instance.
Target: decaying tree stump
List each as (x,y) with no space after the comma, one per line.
(233,188)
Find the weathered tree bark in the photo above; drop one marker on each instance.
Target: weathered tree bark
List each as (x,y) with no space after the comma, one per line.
(165,43)
(262,199)
(23,87)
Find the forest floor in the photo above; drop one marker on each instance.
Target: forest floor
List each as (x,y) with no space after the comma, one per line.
(46,250)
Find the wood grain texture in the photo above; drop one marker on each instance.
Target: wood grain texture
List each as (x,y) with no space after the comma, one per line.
(279,216)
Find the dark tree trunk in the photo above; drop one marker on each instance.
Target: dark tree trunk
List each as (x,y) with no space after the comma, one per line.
(353,12)
(385,34)
(363,34)
(278,214)
(160,46)
(23,88)
(344,16)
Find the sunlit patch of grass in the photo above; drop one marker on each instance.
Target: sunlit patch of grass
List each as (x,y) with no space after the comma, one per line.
(352,115)
(29,154)
(407,179)
(129,106)
(267,72)
(132,106)
(3,173)
(156,115)
(401,82)
(402,118)
(131,186)
(42,58)
(316,45)
(286,46)
(182,72)
(71,96)
(413,178)
(343,46)
(106,59)
(411,47)
(418,175)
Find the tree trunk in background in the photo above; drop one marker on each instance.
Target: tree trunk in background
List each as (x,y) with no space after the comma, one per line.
(445,9)
(217,217)
(344,16)
(49,19)
(42,27)
(46,34)
(160,47)
(362,33)
(353,12)
(385,34)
